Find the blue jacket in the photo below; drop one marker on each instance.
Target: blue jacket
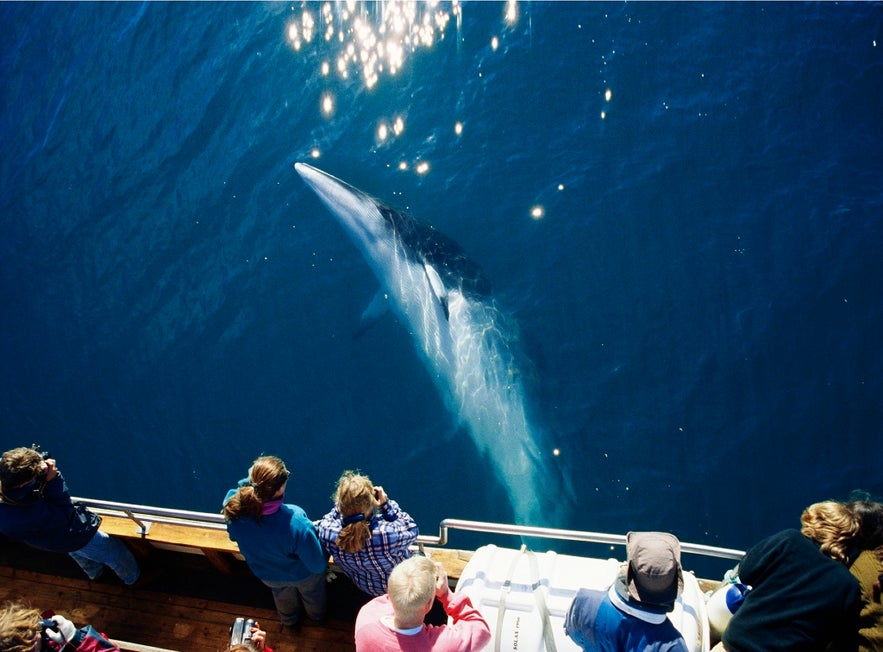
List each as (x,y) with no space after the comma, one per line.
(281,547)
(594,623)
(49,521)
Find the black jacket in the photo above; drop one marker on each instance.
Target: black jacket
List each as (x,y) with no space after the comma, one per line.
(801,600)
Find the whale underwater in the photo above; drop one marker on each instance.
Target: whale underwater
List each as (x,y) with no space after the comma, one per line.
(469,346)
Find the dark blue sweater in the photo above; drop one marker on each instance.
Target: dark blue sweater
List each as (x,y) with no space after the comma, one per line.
(48,521)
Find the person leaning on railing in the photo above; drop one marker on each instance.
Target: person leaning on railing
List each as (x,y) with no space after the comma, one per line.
(278,541)
(802,595)
(630,615)
(36,508)
(366,533)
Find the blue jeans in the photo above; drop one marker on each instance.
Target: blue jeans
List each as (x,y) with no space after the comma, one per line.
(289,596)
(103,550)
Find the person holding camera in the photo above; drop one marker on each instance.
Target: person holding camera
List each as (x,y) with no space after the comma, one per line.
(278,541)
(36,509)
(23,629)
(366,533)
(247,636)
(395,622)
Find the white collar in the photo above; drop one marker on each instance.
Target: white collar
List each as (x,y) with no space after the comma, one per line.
(632,610)
(411,631)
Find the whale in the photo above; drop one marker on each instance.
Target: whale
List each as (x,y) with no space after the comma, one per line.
(469,345)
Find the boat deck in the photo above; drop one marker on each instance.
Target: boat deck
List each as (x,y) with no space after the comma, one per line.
(198,583)
(188,606)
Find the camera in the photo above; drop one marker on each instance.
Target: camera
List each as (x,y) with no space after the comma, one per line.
(44,455)
(240,631)
(46,623)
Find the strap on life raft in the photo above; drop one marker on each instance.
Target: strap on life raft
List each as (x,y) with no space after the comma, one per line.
(539,598)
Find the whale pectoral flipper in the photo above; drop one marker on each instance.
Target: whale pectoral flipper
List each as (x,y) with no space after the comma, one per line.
(438,287)
(378,307)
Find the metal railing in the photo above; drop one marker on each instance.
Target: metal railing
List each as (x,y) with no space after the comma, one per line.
(144,515)
(568,535)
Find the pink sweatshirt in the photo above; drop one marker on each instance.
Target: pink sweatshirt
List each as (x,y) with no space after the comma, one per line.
(468,632)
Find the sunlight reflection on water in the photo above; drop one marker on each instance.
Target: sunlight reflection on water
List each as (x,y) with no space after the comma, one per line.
(372,38)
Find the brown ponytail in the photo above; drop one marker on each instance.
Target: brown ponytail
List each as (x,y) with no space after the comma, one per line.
(266,476)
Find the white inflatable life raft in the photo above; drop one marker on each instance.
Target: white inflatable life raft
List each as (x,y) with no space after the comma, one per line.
(525,595)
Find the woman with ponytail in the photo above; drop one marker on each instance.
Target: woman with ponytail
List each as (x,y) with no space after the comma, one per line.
(278,541)
(366,532)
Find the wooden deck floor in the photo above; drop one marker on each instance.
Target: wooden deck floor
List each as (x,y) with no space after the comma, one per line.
(189,606)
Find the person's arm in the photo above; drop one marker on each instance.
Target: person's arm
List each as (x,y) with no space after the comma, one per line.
(389,509)
(92,641)
(329,527)
(307,546)
(55,491)
(259,638)
(397,529)
(85,639)
(579,623)
(470,630)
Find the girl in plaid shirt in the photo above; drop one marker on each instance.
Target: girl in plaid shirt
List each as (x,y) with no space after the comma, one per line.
(366,533)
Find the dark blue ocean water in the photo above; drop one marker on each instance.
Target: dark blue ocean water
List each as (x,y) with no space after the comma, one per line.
(700,299)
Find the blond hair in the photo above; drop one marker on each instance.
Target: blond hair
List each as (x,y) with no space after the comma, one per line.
(353,495)
(832,525)
(19,627)
(411,586)
(265,477)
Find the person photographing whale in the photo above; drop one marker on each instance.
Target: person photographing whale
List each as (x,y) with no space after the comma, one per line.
(36,509)
(366,532)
